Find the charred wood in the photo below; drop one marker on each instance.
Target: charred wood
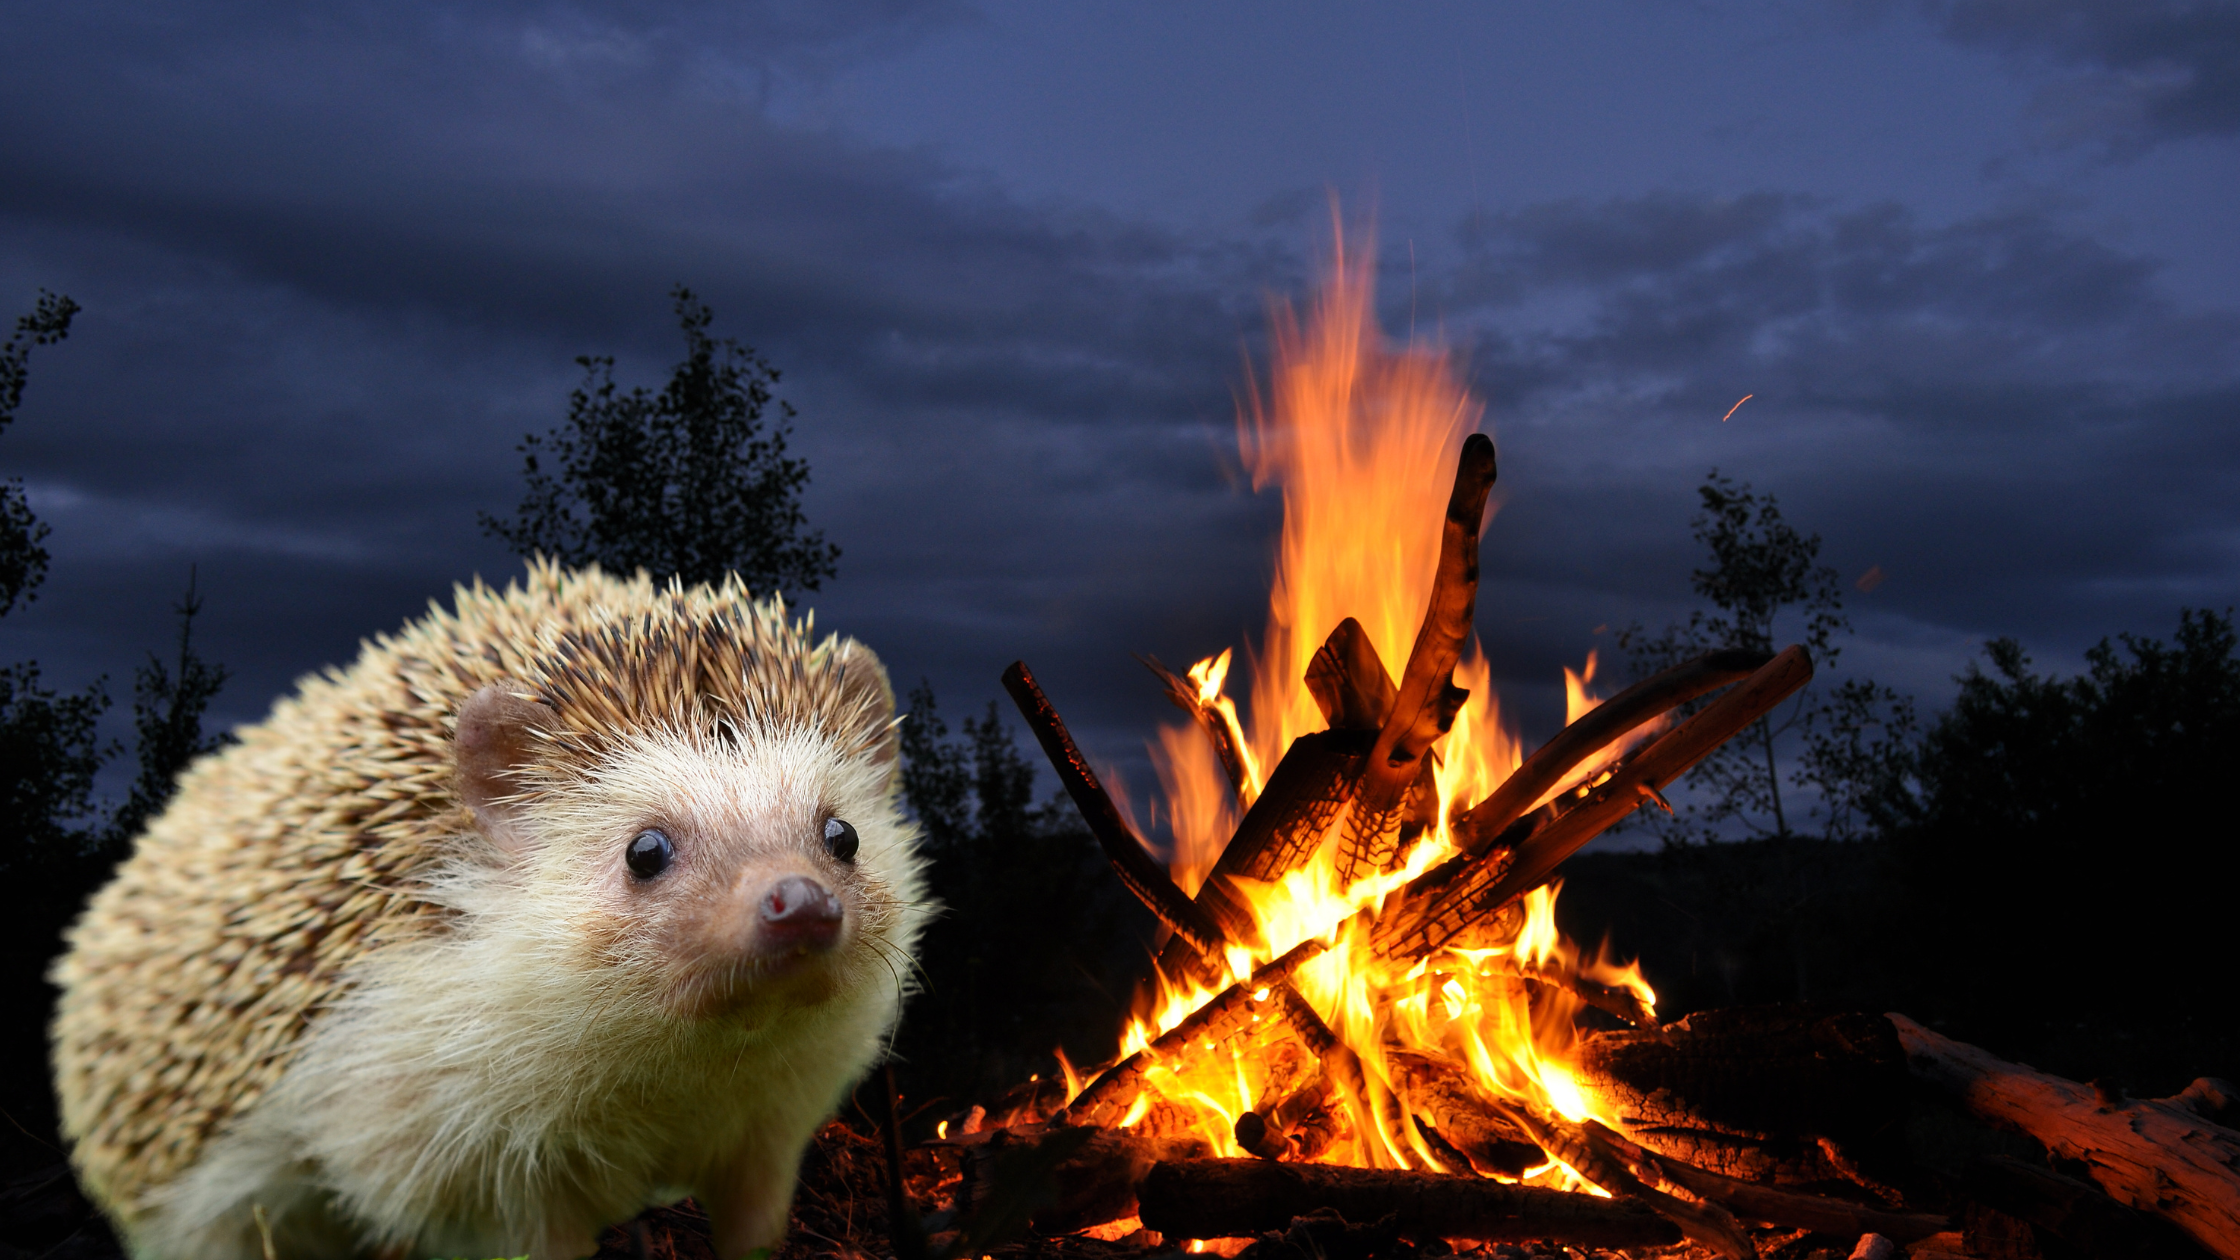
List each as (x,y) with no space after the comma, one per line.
(1776,1161)
(1756,1072)
(1441,1091)
(1768,1206)
(2151,1155)
(1578,1149)
(1427,699)
(1486,887)
(1299,1126)
(1303,797)
(1092,1174)
(1235,1198)
(1348,680)
(1144,877)
(1108,1097)
(1605,998)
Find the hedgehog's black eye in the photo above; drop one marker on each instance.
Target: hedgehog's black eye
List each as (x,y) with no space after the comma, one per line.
(841,839)
(649,854)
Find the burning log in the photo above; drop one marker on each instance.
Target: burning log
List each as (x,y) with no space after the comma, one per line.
(1584,1153)
(2157,1156)
(1144,877)
(1235,1198)
(1612,1001)
(1477,829)
(1348,681)
(1427,700)
(1438,1089)
(1775,1207)
(1301,1125)
(1219,723)
(1303,797)
(1486,886)
(1108,1097)
(1092,1172)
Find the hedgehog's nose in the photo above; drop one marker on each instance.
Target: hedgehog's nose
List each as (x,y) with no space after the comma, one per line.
(798,913)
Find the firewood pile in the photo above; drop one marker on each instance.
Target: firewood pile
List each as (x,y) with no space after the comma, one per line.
(1349,1132)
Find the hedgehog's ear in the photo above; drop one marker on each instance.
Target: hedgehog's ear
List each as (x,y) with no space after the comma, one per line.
(496,727)
(864,691)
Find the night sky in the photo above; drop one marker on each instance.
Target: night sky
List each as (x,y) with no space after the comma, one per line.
(1976,261)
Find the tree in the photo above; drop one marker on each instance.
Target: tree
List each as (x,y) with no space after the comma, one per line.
(23,562)
(1764,578)
(1036,946)
(50,747)
(2063,846)
(168,702)
(690,482)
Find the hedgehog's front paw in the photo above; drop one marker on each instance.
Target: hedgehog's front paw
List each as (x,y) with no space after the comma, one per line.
(747,1201)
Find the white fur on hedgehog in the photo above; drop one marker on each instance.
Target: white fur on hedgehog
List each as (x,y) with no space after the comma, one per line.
(326,987)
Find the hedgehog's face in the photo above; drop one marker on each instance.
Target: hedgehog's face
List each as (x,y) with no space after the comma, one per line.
(716,876)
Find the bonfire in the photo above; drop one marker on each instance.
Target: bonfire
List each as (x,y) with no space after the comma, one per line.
(1364,1026)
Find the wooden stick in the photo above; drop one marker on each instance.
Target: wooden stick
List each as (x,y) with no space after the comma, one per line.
(1108,1097)
(1476,829)
(1236,1198)
(1485,888)
(1144,877)
(2150,1155)
(1769,1206)
(1427,701)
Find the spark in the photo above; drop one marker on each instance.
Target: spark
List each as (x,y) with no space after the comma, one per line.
(1737,407)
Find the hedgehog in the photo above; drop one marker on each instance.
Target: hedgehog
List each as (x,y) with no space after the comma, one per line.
(573,899)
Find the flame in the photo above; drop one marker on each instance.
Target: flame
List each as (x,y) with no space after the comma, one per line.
(1363,438)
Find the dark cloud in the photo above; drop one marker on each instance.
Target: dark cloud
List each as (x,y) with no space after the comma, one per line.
(334,267)
(2002,409)
(2142,71)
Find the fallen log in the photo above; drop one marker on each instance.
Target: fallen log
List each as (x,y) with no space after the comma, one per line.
(1427,700)
(1092,1173)
(1484,889)
(1477,827)
(2156,1156)
(1144,877)
(1769,1206)
(1236,1198)
(1107,1098)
